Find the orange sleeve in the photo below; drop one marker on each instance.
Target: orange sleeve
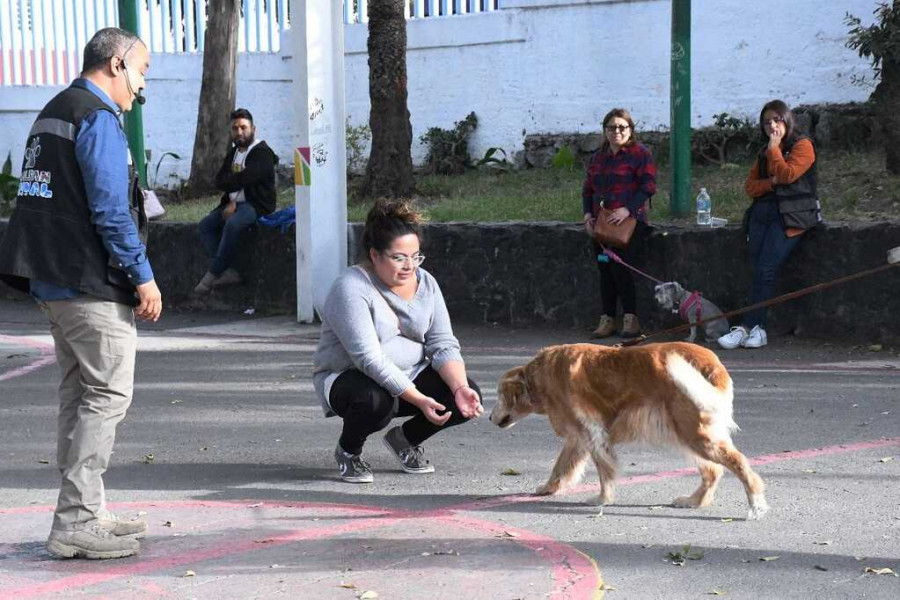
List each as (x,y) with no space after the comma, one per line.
(803,155)
(754,186)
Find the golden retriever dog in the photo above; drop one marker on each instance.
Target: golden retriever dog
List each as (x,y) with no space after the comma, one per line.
(598,397)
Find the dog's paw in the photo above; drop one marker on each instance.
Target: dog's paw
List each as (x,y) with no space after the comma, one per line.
(685,502)
(758,508)
(547,489)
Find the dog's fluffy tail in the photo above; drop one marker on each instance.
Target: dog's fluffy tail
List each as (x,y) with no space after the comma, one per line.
(706,382)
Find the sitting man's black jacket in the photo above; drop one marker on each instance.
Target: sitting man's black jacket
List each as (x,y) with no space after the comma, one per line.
(257,179)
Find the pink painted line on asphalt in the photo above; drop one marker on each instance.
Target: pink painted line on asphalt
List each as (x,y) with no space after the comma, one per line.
(47,357)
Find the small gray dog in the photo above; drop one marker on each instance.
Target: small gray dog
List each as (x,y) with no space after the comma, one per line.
(693,308)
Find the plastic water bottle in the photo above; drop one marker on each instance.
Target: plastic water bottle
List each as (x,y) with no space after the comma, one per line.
(704,208)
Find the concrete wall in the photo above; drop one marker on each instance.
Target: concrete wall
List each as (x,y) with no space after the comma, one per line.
(542,274)
(537,66)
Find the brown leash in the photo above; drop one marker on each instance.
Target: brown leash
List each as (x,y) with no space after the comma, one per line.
(771,302)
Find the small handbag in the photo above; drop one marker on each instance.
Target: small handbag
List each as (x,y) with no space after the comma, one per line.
(610,234)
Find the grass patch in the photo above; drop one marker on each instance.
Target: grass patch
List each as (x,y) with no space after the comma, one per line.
(852,186)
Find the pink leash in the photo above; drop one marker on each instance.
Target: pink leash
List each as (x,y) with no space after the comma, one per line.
(619,260)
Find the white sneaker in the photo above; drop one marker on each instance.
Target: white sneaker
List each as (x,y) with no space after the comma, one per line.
(734,338)
(756,339)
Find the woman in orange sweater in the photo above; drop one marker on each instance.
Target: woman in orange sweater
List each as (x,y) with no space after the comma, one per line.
(782,183)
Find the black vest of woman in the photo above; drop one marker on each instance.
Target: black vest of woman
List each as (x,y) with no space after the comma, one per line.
(798,202)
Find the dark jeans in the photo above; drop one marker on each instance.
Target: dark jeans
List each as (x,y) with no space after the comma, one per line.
(616,281)
(366,408)
(769,248)
(221,237)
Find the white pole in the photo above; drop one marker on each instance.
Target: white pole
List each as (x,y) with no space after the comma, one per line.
(317,29)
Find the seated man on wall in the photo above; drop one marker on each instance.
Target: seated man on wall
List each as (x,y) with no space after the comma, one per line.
(247,178)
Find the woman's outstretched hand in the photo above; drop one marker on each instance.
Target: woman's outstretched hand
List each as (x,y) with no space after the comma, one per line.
(468,402)
(430,408)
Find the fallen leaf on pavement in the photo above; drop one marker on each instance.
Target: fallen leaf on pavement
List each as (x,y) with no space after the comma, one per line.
(768,558)
(168,524)
(370,595)
(347,585)
(265,541)
(607,588)
(44,461)
(510,471)
(886,459)
(820,568)
(727,520)
(189,574)
(148,458)
(881,571)
(716,593)
(508,534)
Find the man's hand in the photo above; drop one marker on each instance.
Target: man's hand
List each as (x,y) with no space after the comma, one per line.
(229,209)
(618,215)
(468,402)
(151,301)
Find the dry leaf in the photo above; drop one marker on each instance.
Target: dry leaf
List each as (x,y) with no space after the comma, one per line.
(148,458)
(257,505)
(47,462)
(823,543)
(189,574)
(820,568)
(508,534)
(369,595)
(768,558)
(176,401)
(607,588)
(265,541)
(727,520)
(716,592)
(168,524)
(810,471)
(880,571)
(347,585)
(510,471)
(883,460)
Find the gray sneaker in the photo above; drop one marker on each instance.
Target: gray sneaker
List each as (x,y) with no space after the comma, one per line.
(353,468)
(205,285)
(133,528)
(92,541)
(410,457)
(228,277)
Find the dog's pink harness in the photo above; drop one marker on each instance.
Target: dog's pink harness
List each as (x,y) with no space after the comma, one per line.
(693,301)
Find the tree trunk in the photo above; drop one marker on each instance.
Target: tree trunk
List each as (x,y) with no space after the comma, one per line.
(887,101)
(389,171)
(217,94)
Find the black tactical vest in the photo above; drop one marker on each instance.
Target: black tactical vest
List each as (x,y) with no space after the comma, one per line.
(50,237)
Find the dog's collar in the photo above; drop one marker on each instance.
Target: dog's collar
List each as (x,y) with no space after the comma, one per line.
(693,301)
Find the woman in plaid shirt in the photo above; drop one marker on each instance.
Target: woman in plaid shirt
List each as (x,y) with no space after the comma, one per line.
(622,177)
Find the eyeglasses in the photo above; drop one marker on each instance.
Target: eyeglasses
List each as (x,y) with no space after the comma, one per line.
(773,122)
(401,260)
(619,128)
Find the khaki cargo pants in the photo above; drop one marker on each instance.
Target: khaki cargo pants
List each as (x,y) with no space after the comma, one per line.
(96,342)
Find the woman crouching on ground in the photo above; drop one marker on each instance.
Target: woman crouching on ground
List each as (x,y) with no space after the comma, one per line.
(387,349)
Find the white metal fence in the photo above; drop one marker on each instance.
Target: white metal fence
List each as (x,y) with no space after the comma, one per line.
(41,41)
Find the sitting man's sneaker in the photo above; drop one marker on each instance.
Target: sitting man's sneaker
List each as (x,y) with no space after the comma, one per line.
(410,457)
(205,285)
(353,468)
(756,339)
(133,528)
(228,277)
(734,338)
(91,541)
(605,328)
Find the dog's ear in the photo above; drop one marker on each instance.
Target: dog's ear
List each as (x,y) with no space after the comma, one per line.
(512,385)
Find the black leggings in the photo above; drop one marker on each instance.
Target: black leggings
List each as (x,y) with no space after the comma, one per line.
(366,407)
(616,281)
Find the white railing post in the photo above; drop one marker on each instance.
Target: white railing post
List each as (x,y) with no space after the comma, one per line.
(363,11)
(259,23)
(177,27)
(40,76)
(190,44)
(201,23)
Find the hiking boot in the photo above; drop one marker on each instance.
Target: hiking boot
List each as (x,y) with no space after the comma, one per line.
(606,328)
(228,277)
(734,338)
(133,528)
(205,285)
(92,541)
(353,468)
(756,339)
(410,456)
(631,327)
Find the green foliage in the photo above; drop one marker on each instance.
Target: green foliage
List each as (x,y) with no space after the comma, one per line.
(880,41)
(9,187)
(155,181)
(729,139)
(565,159)
(491,161)
(448,149)
(358,138)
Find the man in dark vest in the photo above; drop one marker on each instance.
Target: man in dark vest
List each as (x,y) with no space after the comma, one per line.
(75,243)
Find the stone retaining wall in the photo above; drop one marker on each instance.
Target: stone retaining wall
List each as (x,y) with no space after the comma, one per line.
(541,274)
